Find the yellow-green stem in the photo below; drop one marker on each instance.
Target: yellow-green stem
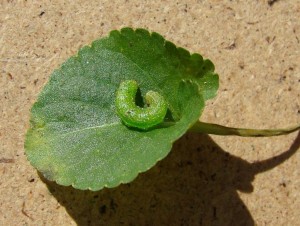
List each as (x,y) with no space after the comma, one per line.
(209,128)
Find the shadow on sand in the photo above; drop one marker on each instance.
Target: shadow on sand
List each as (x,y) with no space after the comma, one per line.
(195,185)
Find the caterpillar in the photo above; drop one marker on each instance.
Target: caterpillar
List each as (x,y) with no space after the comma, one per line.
(135,116)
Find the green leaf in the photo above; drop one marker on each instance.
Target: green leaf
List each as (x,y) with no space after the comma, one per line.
(76,138)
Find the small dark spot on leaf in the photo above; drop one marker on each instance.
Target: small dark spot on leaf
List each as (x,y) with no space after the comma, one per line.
(22,87)
(35,81)
(42,13)
(102,24)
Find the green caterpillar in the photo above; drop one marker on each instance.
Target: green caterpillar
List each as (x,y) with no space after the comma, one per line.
(135,116)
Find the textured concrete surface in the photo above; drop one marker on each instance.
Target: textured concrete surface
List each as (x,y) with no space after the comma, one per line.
(206,180)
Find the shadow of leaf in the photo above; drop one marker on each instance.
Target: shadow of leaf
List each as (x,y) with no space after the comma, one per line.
(195,185)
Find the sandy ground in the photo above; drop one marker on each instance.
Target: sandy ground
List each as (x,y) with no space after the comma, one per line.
(205,180)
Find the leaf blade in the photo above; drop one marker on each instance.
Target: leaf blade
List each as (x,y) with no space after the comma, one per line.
(76,137)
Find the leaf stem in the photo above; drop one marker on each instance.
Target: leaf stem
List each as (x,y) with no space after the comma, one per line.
(209,128)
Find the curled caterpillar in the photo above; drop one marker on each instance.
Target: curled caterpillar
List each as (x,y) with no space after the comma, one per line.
(135,116)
